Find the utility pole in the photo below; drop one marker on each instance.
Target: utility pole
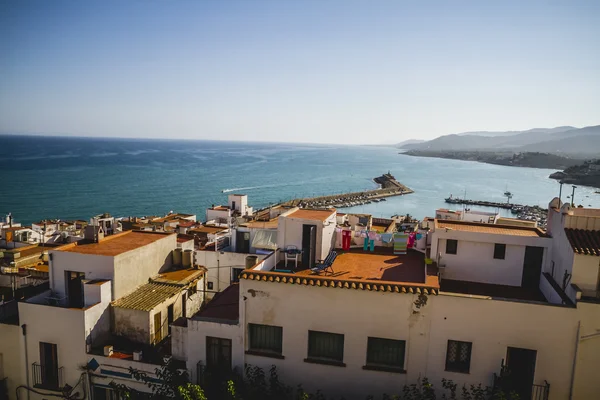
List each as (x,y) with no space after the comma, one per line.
(560,193)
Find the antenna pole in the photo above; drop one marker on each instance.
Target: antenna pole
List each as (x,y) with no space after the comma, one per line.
(573,196)
(560,193)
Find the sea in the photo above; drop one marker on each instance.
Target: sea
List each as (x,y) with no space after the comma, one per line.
(43,177)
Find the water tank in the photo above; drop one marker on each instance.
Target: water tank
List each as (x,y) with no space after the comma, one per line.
(187,258)
(177,256)
(251,261)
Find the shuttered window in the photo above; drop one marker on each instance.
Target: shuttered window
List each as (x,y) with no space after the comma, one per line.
(451,246)
(458,356)
(385,353)
(325,346)
(499,251)
(266,338)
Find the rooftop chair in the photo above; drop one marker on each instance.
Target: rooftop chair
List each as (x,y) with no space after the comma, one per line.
(325,265)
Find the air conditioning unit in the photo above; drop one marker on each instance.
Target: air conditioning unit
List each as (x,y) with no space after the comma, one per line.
(108,351)
(137,356)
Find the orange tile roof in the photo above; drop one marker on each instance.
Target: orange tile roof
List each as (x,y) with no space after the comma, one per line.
(364,271)
(489,228)
(584,242)
(262,224)
(115,244)
(207,229)
(315,215)
(179,277)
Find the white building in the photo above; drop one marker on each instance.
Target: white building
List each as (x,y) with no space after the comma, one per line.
(111,301)
(381,321)
(237,206)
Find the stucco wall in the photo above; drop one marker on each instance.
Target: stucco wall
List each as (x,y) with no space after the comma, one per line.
(587,384)
(585,272)
(220,264)
(385,315)
(132,324)
(93,266)
(62,326)
(196,343)
(562,257)
(474,260)
(493,326)
(290,234)
(133,268)
(13,357)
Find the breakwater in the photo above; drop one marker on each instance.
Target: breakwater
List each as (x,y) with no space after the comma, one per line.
(523,212)
(389,186)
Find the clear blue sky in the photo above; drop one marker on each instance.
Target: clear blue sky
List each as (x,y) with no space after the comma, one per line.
(299,71)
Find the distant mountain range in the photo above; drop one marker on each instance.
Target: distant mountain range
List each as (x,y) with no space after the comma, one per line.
(563,140)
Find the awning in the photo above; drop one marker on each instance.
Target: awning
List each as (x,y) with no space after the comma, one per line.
(265,239)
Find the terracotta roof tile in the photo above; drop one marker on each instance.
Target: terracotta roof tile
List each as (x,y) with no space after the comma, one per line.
(315,215)
(584,242)
(114,244)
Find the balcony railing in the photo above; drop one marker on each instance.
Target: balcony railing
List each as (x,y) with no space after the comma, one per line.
(540,392)
(47,378)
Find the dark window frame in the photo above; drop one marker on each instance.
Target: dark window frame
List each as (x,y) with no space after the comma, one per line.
(451,249)
(265,340)
(454,351)
(325,348)
(499,251)
(236,277)
(382,356)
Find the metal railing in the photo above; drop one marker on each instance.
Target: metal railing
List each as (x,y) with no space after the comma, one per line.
(540,392)
(47,378)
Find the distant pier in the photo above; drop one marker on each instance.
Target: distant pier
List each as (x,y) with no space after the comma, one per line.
(389,186)
(506,206)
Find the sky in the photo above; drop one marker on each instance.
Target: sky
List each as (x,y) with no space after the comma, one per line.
(356,72)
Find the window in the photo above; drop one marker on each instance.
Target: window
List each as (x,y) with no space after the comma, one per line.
(210,285)
(235,274)
(102,393)
(325,348)
(451,246)
(46,373)
(499,251)
(458,356)
(265,339)
(385,354)
(218,354)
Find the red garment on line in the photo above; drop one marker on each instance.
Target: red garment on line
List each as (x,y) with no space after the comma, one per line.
(346,238)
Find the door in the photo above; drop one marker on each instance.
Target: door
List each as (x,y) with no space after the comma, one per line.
(521,366)
(218,355)
(49,365)
(242,242)
(532,267)
(75,289)
(309,245)
(157,328)
(170,317)
(184,305)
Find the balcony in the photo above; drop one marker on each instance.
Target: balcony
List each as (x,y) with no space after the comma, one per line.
(49,378)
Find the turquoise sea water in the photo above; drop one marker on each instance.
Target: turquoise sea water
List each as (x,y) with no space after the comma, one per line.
(68,178)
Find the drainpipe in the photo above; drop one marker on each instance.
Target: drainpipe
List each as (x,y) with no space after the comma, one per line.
(574,361)
(24,328)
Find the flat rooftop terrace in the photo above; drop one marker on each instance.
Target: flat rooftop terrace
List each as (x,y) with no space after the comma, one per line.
(115,244)
(491,290)
(489,228)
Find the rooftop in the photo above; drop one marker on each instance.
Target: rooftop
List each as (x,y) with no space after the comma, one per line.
(271,224)
(148,296)
(379,271)
(224,306)
(207,229)
(491,290)
(315,215)
(179,277)
(584,242)
(115,244)
(220,208)
(494,229)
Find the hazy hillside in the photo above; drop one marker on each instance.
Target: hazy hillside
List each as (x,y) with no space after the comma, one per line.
(565,140)
(407,142)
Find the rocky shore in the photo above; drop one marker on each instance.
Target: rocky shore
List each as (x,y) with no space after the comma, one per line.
(527,159)
(586,174)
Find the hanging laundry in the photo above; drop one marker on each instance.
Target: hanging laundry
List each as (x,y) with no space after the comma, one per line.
(419,236)
(372,235)
(386,237)
(372,245)
(346,239)
(400,243)
(411,241)
(366,244)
